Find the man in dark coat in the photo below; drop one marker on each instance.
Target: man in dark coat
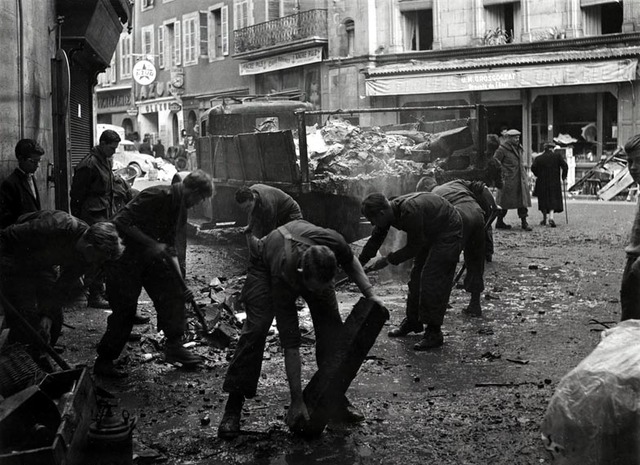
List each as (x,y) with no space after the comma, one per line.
(550,169)
(30,251)
(150,225)
(434,239)
(515,191)
(297,259)
(19,192)
(92,196)
(145,147)
(158,150)
(267,208)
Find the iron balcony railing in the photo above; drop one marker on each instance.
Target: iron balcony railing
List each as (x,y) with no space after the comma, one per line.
(288,29)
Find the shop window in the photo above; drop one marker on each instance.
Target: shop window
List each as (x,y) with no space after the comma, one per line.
(500,21)
(218,32)
(418,29)
(427,116)
(602,19)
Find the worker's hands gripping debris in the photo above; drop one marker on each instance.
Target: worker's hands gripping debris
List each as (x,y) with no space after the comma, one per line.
(297,416)
(377,264)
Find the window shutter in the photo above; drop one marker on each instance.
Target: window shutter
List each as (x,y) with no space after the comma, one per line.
(273,9)
(224,23)
(161,46)
(204,35)
(177,42)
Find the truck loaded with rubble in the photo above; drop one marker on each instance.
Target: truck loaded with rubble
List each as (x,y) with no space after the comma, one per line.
(335,163)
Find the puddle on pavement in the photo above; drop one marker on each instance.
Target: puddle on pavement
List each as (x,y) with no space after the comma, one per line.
(338,451)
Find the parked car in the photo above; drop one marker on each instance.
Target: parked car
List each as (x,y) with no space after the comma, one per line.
(127,155)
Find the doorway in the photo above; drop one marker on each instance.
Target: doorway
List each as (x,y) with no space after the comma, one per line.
(501,117)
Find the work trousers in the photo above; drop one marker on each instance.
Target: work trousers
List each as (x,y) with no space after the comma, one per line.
(125,279)
(522,213)
(259,296)
(630,289)
(473,243)
(431,280)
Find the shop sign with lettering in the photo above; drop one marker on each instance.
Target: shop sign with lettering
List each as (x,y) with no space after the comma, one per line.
(113,100)
(144,72)
(569,74)
(287,60)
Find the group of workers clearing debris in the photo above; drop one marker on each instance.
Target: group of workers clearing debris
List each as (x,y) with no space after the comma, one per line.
(116,242)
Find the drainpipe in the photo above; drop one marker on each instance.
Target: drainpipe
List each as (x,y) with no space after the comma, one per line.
(20,67)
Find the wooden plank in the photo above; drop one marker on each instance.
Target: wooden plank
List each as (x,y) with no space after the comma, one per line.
(620,182)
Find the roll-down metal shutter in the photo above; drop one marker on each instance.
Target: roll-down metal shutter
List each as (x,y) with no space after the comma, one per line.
(80,115)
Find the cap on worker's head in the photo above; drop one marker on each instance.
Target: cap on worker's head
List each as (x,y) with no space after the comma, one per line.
(108,136)
(549,144)
(632,145)
(512,132)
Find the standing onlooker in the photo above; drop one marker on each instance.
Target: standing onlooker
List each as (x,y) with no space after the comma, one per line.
(515,191)
(19,192)
(158,150)
(434,240)
(630,286)
(145,147)
(493,180)
(549,167)
(92,195)
(267,208)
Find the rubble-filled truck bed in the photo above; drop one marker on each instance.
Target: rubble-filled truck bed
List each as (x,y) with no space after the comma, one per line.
(334,165)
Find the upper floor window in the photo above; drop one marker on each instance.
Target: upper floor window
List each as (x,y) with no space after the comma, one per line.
(161,51)
(601,17)
(500,20)
(242,13)
(126,57)
(218,31)
(109,76)
(190,38)
(147,40)
(172,43)
(418,29)
(350,30)
(146,4)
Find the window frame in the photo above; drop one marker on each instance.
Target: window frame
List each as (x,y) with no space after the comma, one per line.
(224,33)
(126,56)
(190,30)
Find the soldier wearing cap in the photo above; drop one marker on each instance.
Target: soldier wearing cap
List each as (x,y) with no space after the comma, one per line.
(515,191)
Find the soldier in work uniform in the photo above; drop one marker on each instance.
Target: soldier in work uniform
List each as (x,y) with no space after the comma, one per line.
(297,259)
(267,208)
(476,206)
(150,224)
(30,251)
(434,238)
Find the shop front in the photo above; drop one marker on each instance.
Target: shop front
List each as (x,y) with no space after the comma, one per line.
(579,99)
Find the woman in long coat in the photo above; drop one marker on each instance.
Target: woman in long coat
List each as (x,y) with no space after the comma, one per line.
(549,167)
(515,191)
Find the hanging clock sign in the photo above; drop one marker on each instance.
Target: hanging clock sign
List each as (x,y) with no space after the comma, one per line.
(144,72)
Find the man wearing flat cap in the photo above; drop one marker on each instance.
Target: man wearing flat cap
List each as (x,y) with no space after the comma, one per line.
(515,191)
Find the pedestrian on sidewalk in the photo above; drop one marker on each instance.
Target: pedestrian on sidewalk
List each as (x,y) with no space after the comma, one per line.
(297,259)
(434,241)
(150,224)
(19,191)
(515,191)
(630,286)
(32,250)
(550,169)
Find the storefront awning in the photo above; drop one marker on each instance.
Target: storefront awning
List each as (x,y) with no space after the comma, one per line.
(552,75)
